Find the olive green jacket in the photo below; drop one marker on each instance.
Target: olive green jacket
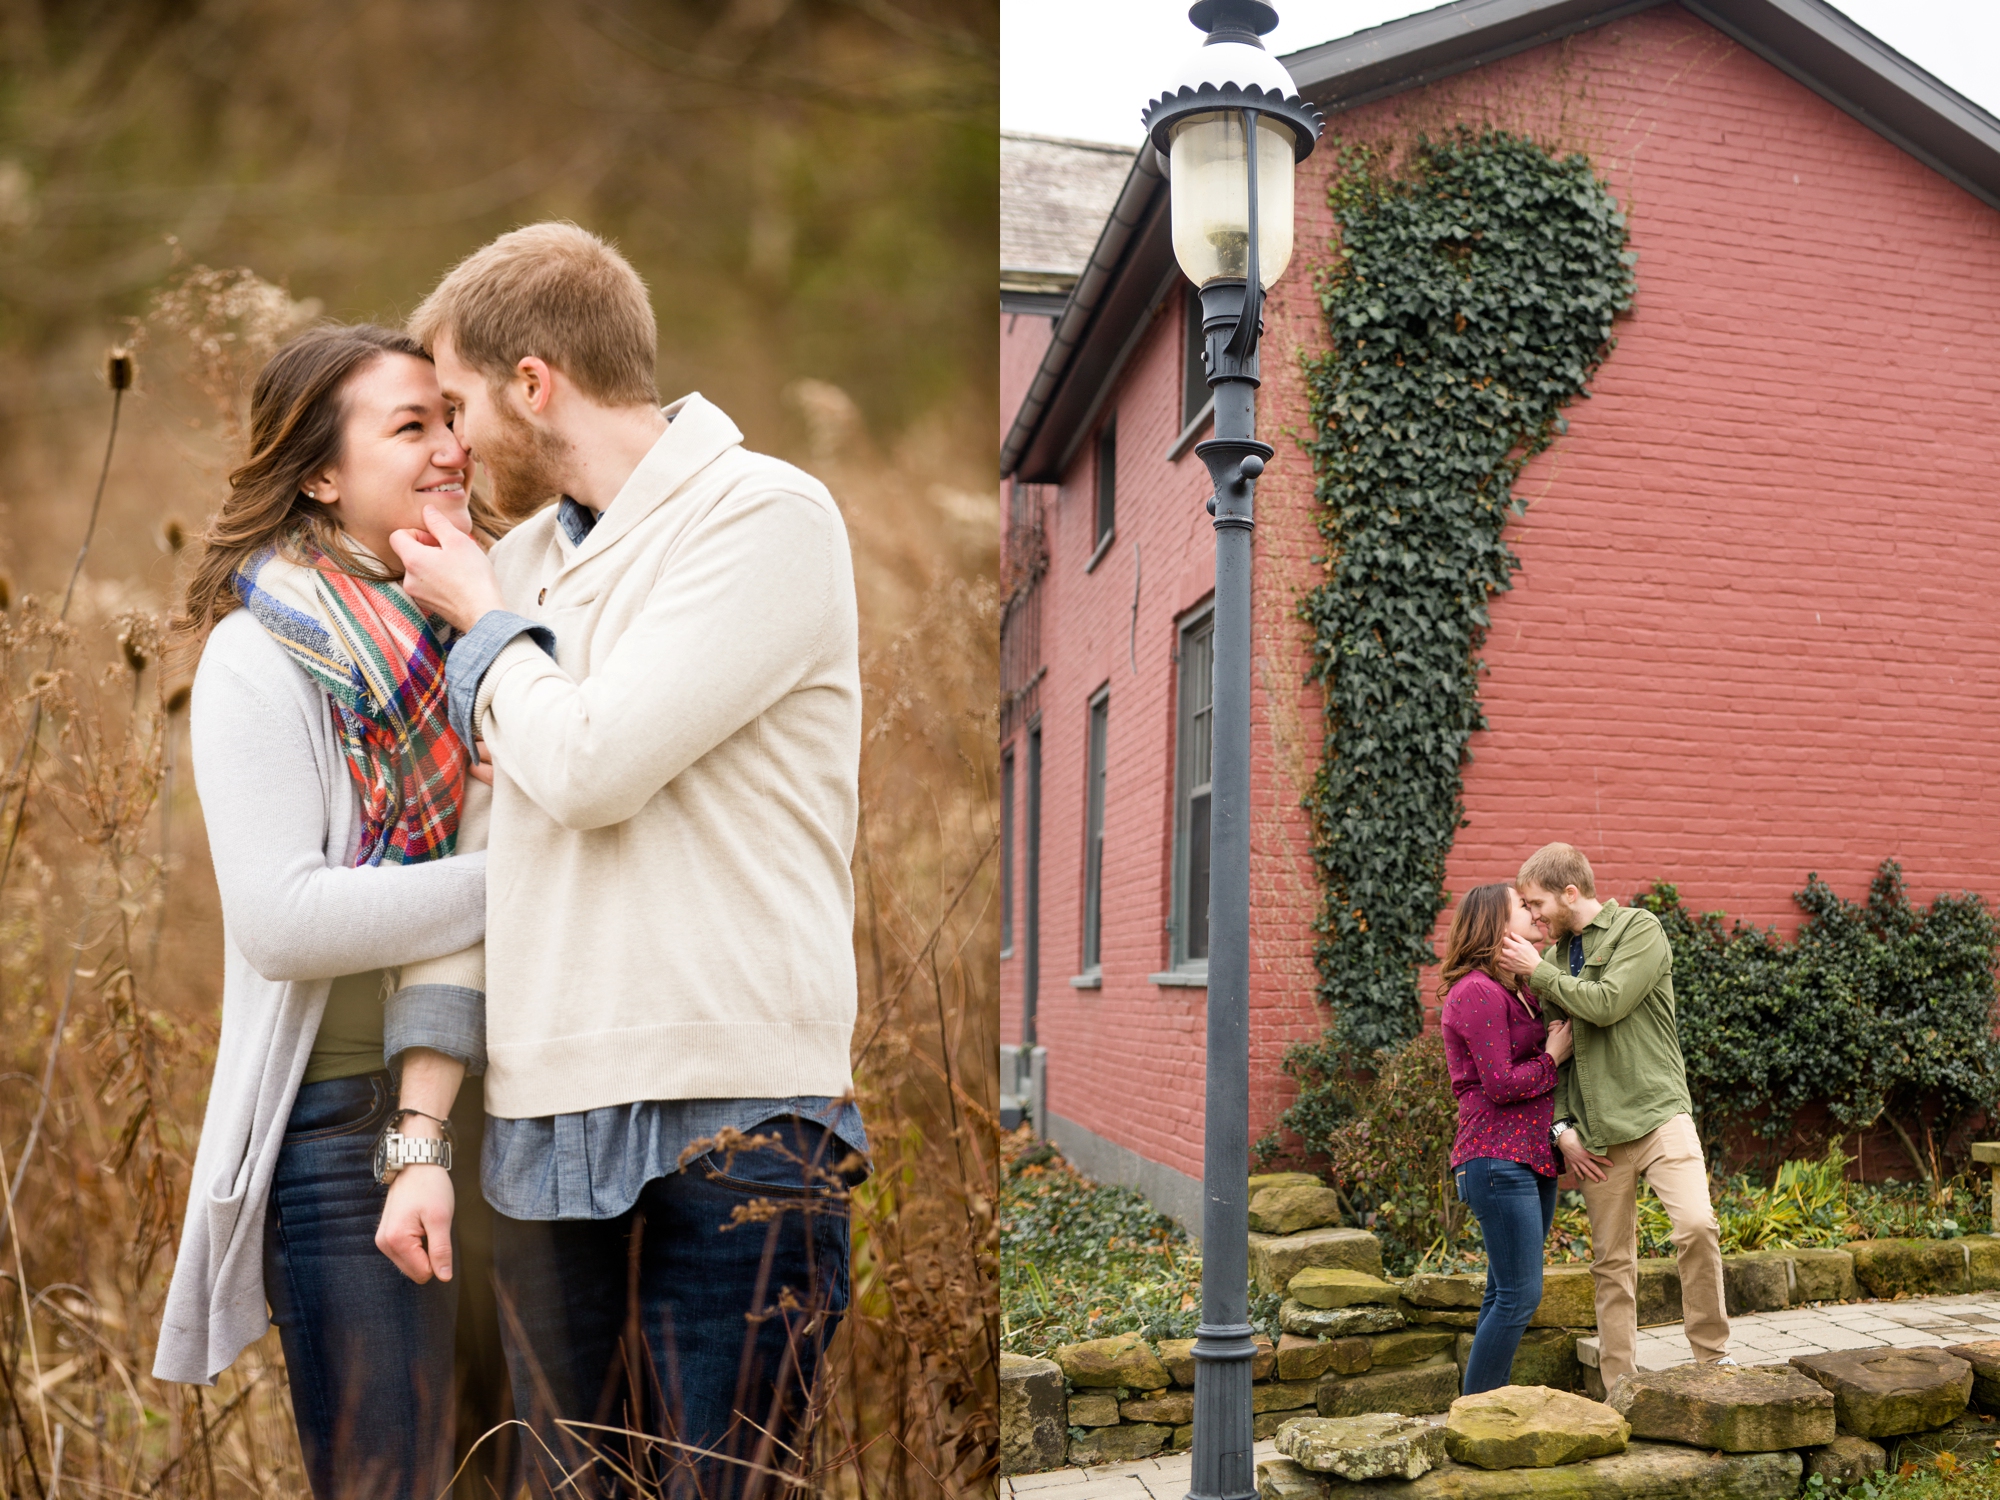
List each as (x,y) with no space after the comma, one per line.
(1626,1077)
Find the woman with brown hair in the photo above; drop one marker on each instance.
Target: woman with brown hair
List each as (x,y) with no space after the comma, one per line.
(338,807)
(1503,1060)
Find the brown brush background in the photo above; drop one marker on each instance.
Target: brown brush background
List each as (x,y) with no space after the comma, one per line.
(810,189)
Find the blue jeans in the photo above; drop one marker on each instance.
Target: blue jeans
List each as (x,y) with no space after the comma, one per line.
(369,1352)
(696,1318)
(1515,1206)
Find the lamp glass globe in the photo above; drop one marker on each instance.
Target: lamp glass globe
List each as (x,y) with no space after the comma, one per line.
(1209,172)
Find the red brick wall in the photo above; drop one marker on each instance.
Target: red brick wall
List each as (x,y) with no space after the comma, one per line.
(1753,634)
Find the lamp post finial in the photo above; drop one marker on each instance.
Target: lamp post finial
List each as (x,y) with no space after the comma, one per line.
(1234,20)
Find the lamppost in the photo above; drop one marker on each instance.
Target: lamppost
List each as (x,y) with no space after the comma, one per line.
(1232,126)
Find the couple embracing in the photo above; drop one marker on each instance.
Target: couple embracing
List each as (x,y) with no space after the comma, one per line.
(531,821)
(1566,1059)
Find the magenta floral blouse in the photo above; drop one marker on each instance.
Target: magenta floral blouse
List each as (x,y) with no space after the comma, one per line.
(1504,1081)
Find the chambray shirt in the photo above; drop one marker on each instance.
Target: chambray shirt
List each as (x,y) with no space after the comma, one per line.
(592,1164)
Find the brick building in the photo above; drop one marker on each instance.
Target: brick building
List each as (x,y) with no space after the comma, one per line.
(1754,633)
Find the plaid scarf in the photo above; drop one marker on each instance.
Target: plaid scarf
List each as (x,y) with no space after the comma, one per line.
(380,661)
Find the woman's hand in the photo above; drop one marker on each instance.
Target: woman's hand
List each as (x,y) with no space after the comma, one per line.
(1561,1043)
(415,1231)
(484,770)
(1579,1159)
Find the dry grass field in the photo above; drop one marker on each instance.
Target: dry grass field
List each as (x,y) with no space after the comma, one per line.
(801,184)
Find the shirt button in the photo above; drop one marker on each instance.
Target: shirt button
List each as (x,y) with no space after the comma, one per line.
(542,597)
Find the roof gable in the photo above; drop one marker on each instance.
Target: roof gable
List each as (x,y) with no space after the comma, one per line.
(1053,198)
(1131,266)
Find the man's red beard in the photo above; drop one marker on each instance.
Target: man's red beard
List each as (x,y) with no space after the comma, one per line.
(1561,921)
(525,462)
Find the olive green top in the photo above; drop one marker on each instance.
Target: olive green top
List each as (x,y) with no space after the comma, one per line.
(349,1041)
(1626,1077)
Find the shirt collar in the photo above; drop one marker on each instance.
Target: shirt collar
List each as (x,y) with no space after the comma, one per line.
(575,520)
(697,434)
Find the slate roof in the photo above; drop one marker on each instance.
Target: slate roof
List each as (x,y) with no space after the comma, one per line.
(1054,197)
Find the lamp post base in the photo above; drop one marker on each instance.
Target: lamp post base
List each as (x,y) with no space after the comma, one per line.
(1224,1435)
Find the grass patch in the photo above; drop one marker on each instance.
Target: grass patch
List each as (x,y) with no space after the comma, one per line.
(1946,1479)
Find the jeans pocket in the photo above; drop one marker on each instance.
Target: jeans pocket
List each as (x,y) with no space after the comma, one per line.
(337,1107)
(796,1167)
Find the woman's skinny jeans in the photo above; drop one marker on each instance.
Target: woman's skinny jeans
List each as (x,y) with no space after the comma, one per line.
(1515,1206)
(368,1351)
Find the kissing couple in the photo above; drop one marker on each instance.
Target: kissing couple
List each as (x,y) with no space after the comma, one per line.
(1566,1058)
(532,820)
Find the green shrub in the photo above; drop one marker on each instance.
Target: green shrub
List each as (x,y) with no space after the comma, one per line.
(1877,1012)
(1387,1147)
(1880,1011)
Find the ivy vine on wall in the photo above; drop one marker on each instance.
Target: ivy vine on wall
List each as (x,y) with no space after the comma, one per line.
(1472,301)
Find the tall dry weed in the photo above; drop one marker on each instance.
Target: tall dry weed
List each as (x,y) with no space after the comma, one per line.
(110,980)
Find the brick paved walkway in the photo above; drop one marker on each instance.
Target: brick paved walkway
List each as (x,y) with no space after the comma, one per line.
(1755,1338)
(1917,1323)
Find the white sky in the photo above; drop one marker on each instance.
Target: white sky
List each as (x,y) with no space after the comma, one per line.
(1085,68)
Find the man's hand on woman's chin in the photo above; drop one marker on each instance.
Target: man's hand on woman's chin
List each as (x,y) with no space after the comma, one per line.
(446,571)
(415,1231)
(1518,955)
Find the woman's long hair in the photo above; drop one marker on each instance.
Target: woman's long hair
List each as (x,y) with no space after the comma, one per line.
(297,411)
(1476,929)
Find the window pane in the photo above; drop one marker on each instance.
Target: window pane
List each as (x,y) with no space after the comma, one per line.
(1201,707)
(1197,877)
(1194,375)
(1093,879)
(1007,851)
(1195,734)
(1107,480)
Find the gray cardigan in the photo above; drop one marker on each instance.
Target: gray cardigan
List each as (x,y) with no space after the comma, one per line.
(282,825)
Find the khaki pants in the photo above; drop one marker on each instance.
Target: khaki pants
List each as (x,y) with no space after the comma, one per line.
(1669,1158)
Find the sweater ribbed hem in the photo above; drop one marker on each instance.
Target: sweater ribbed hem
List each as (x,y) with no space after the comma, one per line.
(707,1060)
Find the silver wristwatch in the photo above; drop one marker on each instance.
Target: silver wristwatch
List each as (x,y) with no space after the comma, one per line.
(395,1151)
(1558,1130)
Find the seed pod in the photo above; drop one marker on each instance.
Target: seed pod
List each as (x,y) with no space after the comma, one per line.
(119,367)
(173,534)
(135,654)
(6,592)
(177,698)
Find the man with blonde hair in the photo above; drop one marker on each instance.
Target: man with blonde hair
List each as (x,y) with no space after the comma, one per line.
(1622,1105)
(662,666)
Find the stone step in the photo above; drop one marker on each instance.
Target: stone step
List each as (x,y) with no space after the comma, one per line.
(1531,1427)
(1276,1258)
(1880,1393)
(1734,1408)
(1644,1471)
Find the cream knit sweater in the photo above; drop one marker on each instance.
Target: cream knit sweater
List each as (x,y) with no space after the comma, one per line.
(670,912)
